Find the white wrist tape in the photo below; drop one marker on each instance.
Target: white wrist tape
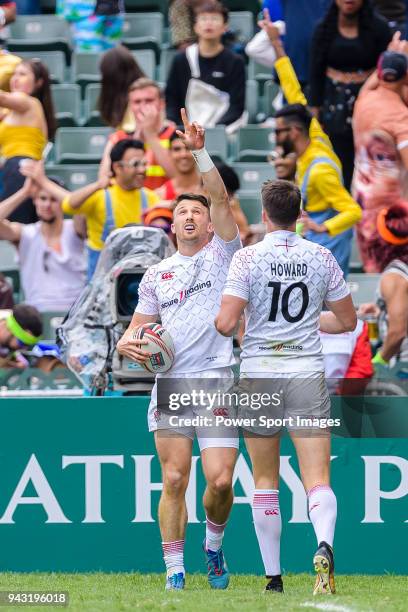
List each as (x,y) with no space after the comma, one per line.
(203,160)
(2,17)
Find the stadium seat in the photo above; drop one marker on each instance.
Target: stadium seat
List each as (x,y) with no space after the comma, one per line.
(74,177)
(216,142)
(252,176)
(251,207)
(242,24)
(254,143)
(92,115)
(259,73)
(54,60)
(143,31)
(134,6)
(166,58)
(243,5)
(85,68)
(363,287)
(80,145)
(40,33)
(271,90)
(67,102)
(251,99)
(147,62)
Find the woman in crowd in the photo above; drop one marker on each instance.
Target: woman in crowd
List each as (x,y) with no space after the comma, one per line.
(345,49)
(119,70)
(27,125)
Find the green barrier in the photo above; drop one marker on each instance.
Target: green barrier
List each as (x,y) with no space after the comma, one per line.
(80,484)
(34,379)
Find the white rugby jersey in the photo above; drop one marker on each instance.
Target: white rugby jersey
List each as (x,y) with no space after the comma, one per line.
(285,280)
(186,293)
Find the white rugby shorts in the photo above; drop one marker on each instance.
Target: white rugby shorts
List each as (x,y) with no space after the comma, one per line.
(171,423)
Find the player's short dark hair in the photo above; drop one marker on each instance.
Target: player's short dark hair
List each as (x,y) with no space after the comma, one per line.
(120,148)
(281,201)
(296,114)
(193,197)
(28,318)
(212,6)
(174,136)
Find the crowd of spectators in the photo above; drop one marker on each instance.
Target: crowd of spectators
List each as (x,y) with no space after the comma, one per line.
(341,134)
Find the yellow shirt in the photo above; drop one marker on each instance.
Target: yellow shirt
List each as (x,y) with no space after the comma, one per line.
(21,140)
(325,189)
(126,207)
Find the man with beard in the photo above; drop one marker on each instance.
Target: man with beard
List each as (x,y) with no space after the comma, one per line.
(331,211)
(51,251)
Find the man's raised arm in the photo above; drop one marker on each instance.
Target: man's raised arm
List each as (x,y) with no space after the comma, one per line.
(221,214)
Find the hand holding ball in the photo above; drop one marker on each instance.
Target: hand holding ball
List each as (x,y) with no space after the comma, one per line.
(159,344)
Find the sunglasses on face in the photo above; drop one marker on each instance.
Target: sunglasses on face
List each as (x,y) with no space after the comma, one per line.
(134,163)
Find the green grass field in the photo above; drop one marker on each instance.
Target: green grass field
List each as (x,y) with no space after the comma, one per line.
(116,592)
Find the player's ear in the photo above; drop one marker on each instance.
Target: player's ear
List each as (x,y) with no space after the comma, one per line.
(173,229)
(210,228)
(264,216)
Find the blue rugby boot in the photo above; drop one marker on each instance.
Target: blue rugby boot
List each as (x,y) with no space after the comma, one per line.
(175,582)
(218,574)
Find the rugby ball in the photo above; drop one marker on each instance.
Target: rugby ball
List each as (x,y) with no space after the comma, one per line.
(160,345)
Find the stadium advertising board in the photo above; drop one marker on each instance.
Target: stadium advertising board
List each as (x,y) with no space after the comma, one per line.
(80,483)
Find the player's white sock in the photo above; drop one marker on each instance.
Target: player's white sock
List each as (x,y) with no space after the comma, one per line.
(268,527)
(323,512)
(173,555)
(213,535)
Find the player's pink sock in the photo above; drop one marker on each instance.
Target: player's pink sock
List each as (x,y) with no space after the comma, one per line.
(173,555)
(323,512)
(213,535)
(268,527)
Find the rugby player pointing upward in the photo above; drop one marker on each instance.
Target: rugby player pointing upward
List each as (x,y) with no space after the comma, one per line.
(282,283)
(185,292)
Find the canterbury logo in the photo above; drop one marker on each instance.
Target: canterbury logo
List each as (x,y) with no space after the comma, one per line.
(167,275)
(273,512)
(223,412)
